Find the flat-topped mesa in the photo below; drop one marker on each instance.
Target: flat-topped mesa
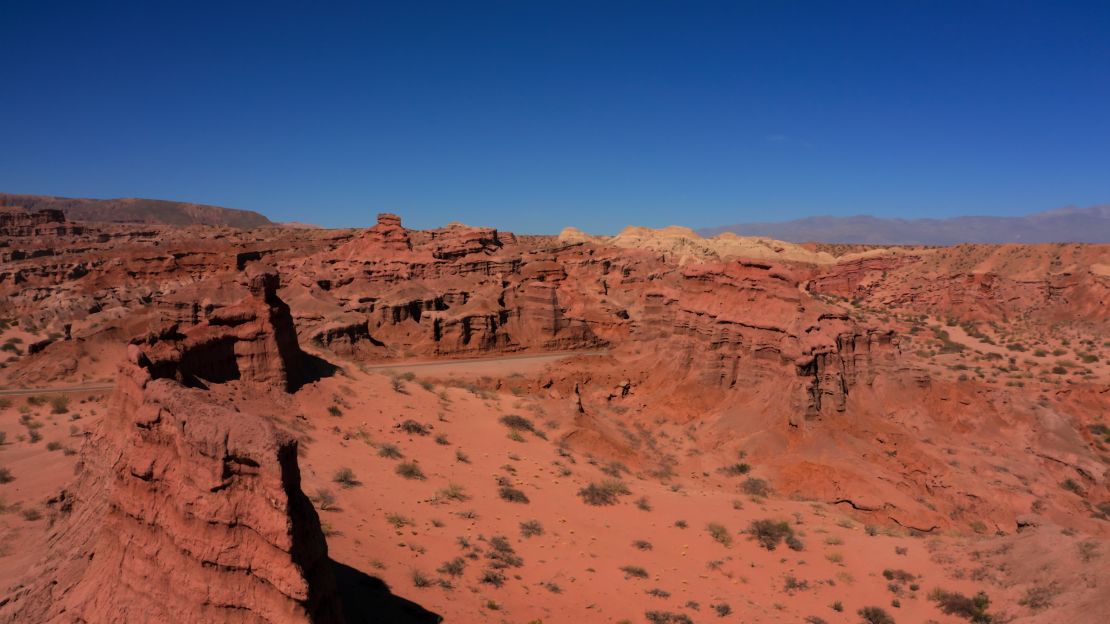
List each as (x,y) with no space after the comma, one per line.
(187,506)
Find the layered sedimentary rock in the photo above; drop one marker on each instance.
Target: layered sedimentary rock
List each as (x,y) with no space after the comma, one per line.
(46,222)
(459,290)
(187,506)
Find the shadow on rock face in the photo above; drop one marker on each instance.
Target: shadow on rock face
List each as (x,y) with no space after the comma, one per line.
(367,600)
(313,368)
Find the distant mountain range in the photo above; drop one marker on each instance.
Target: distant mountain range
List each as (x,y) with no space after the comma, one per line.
(1076,225)
(134,210)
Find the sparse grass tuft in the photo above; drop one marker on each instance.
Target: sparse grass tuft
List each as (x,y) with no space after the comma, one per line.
(345,477)
(390,451)
(719,533)
(410,470)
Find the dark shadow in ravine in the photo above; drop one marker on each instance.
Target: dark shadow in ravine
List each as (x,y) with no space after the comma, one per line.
(367,600)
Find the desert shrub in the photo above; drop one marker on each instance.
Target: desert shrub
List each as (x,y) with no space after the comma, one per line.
(974,609)
(631,571)
(442,440)
(454,567)
(461,457)
(769,533)
(59,405)
(335,411)
(389,451)
(518,423)
(875,615)
(735,470)
(453,492)
(657,592)
(531,528)
(501,554)
(667,617)
(324,499)
(420,580)
(412,427)
(31,515)
(512,494)
(6,476)
(614,469)
(898,576)
(410,470)
(1072,486)
(552,587)
(722,609)
(345,477)
(755,487)
(1039,597)
(641,545)
(681,524)
(54,446)
(643,503)
(605,493)
(719,533)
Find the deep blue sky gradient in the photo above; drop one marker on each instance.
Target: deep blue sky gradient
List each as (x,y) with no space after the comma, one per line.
(534,115)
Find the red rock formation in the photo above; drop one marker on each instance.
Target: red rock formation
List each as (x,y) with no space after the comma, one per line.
(187,507)
(46,222)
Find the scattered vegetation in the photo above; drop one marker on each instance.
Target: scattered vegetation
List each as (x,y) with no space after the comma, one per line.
(769,533)
(324,499)
(974,609)
(410,470)
(755,487)
(531,528)
(719,533)
(631,571)
(605,493)
(412,427)
(345,477)
(455,567)
(390,451)
(875,615)
(512,494)
(453,492)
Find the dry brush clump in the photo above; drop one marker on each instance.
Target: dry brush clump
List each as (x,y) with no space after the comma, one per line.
(608,492)
(770,533)
(972,608)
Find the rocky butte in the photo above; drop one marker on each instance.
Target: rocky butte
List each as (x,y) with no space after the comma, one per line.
(465,423)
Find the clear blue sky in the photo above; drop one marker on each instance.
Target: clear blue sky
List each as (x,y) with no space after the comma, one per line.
(533,115)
